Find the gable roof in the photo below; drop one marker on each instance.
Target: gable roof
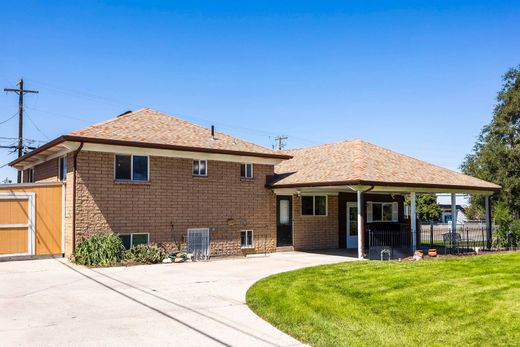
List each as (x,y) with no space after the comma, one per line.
(358,162)
(152,129)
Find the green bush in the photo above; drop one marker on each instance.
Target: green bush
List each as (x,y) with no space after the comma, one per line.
(515,233)
(145,254)
(99,250)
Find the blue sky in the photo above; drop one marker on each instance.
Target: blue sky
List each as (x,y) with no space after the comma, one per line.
(417,78)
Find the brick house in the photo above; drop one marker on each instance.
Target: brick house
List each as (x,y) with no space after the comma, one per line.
(150,177)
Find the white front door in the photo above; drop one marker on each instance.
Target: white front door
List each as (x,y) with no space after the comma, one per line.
(352,222)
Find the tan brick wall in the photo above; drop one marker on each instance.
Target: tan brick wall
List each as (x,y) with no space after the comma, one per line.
(174,201)
(315,232)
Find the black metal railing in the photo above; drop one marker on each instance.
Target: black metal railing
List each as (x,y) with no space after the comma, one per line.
(392,243)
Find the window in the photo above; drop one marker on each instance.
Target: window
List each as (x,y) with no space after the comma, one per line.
(382,212)
(246,238)
(200,168)
(30,173)
(246,170)
(132,240)
(132,168)
(314,205)
(62,168)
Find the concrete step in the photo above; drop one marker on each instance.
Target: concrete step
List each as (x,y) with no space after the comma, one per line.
(285,249)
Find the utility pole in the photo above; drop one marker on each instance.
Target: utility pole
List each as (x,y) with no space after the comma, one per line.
(280,142)
(20,91)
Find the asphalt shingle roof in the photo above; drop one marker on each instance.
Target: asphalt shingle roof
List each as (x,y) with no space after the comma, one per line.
(357,161)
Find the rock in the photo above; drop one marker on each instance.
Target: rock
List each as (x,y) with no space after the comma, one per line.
(167,260)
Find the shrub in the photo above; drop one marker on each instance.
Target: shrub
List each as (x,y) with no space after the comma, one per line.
(145,254)
(99,250)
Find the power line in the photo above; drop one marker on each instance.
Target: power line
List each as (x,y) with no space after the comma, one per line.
(37,128)
(8,119)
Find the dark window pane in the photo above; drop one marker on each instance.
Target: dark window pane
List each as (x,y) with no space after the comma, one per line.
(243,239)
(123,165)
(376,212)
(250,238)
(320,205)
(196,167)
(61,169)
(242,170)
(139,239)
(202,168)
(307,205)
(126,241)
(387,212)
(249,170)
(140,168)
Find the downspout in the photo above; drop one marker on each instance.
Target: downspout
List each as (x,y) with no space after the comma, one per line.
(75,167)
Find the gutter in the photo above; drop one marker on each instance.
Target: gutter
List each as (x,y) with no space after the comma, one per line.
(83,139)
(75,168)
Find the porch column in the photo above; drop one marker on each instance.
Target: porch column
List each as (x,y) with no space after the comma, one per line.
(413,221)
(488,220)
(453,213)
(360,224)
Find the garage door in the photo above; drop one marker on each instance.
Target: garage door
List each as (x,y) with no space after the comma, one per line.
(17,224)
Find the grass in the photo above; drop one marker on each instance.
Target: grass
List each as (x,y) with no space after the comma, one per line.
(468,301)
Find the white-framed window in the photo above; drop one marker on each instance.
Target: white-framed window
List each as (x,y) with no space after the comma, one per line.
(62,168)
(382,212)
(134,239)
(132,167)
(200,167)
(246,170)
(246,238)
(314,205)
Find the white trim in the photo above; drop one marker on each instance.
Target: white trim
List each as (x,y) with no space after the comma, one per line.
(30,220)
(252,240)
(8,226)
(206,166)
(245,171)
(314,206)
(93,147)
(360,224)
(132,168)
(35,184)
(54,155)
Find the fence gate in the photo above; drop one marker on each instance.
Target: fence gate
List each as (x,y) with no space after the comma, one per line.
(198,243)
(31,219)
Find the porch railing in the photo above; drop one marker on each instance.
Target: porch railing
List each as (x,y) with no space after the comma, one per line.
(395,243)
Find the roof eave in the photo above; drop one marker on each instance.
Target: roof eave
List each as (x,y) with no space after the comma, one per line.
(74,138)
(389,184)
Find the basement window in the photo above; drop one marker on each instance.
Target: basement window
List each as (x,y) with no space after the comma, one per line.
(246,170)
(246,239)
(62,168)
(132,168)
(314,205)
(134,239)
(200,168)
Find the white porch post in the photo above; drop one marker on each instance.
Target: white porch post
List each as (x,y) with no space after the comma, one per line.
(488,220)
(453,213)
(360,223)
(413,220)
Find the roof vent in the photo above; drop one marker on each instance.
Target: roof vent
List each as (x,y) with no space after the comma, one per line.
(122,114)
(234,141)
(213,132)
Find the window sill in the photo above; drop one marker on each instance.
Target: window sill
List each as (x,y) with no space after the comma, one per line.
(199,176)
(311,216)
(247,247)
(142,183)
(247,179)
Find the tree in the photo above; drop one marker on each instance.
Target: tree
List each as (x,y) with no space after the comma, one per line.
(426,207)
(496,154)
(7,181)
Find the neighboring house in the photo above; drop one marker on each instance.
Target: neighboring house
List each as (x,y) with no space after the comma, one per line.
(447,215)
(150,177)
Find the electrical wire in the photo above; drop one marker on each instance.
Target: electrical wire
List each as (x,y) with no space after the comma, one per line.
(37,128)
(8,119)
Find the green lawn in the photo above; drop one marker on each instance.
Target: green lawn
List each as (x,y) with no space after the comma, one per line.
(473,300)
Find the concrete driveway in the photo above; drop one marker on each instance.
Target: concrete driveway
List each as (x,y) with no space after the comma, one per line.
(51,302)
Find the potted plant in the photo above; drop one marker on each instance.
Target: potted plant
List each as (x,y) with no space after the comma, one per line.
(432,252)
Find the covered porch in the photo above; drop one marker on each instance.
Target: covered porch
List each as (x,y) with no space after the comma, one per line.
(371,219)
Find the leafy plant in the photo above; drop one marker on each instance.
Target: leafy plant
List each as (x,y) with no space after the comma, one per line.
(427,208)
(99,250)
(145,254)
